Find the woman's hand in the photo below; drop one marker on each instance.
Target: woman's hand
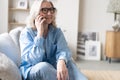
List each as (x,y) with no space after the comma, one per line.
(39,21)
(62,72)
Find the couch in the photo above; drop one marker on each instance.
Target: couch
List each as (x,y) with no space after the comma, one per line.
(10,55)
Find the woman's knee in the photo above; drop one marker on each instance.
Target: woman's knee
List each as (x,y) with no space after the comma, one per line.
(40,70)
(42,66)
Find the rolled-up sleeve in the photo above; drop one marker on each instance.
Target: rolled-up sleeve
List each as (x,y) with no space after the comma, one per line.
(63,51)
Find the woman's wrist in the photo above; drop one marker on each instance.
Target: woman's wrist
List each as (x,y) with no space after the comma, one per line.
(39,34)
(62,60)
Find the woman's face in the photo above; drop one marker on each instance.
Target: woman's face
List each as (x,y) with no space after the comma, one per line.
(47,11)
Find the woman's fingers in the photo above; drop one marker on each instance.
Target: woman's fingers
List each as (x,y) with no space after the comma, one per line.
(40,19)
(58,76)
(67,75)
(62,74)
(62,71)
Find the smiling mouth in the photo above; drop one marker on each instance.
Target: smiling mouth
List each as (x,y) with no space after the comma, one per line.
(48,18)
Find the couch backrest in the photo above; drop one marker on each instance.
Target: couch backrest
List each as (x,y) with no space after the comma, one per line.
(15,34)
(9,45)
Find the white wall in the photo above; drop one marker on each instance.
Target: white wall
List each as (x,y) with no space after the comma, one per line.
(94,17)
(3,16)
(67,20)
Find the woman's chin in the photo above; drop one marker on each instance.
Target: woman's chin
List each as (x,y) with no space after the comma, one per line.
(47,22)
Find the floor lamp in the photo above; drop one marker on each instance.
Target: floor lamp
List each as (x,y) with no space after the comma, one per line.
(114,7)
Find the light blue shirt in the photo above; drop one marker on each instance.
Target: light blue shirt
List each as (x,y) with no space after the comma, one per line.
(39,49)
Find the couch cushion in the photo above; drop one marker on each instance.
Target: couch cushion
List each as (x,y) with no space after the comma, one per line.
(8,69)
(9,48)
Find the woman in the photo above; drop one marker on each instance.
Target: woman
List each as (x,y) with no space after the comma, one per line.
(44,51)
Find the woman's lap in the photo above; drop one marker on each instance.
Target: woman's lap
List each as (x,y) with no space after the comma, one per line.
(45,71)
(42,71)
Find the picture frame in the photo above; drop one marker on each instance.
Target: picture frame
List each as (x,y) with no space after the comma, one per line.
(22,4)
(82,38)
(92,50)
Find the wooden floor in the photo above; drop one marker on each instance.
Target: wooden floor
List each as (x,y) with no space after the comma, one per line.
(101,74)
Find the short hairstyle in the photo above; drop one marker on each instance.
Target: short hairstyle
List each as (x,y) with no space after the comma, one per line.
(34,11)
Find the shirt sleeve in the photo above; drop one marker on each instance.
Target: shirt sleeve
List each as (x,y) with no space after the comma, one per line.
(32,49)
(63,51)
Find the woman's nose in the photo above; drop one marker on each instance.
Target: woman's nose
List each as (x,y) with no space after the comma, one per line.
(49,13)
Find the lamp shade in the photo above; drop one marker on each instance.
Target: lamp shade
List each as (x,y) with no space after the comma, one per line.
(114,6)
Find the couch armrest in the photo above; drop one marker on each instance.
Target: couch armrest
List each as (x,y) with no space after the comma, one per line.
(8,69)
(9,48)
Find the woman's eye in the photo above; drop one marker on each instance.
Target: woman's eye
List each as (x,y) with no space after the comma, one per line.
(45,9)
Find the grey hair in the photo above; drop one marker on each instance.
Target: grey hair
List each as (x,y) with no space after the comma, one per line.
(34,11)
